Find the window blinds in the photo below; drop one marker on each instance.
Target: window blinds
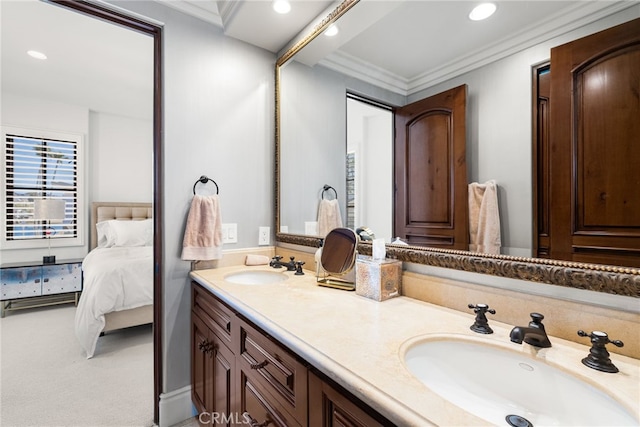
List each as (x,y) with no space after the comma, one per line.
(38,168)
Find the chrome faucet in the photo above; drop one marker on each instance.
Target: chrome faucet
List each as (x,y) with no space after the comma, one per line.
(534,334)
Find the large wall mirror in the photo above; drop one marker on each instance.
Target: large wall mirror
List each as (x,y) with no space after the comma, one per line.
(395,53)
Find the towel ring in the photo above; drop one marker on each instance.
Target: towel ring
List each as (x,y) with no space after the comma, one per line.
(204,179)
(327,188)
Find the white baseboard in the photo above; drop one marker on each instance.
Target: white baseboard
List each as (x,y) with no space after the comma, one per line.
(175,407)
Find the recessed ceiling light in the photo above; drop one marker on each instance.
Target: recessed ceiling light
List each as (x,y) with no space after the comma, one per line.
(482,11)
(282,6)
(331,31)
(36,54)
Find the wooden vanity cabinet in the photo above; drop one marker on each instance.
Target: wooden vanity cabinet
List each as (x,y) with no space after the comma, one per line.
(245,376)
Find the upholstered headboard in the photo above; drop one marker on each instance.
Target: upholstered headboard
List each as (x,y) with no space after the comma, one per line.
(124,211)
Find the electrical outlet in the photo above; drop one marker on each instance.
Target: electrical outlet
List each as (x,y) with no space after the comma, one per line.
(229,233)
(263,235)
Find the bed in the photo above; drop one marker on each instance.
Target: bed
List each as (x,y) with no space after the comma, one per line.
(117,272)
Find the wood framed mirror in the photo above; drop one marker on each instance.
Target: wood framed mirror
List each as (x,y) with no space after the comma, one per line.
(619,280)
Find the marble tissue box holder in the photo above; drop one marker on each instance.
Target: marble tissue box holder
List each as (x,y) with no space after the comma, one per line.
(378,279)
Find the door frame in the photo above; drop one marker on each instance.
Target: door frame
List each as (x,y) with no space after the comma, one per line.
(117,17)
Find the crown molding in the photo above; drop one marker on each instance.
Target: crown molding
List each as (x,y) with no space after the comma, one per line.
(562,23)
(355,67)
(194,8)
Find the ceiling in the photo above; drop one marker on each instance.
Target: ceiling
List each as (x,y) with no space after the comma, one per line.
(378,38)
(375,43)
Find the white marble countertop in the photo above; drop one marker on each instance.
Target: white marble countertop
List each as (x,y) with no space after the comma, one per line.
(359,343)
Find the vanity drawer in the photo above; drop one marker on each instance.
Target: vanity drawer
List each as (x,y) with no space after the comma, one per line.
(257,406)
(217,316)
(275,369)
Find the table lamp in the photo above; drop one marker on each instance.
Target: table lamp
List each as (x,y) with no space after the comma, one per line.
(49,210)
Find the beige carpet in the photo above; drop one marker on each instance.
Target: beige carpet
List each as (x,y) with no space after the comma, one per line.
(46,381)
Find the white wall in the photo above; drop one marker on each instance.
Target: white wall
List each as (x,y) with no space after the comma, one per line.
(121,159)
(219,122)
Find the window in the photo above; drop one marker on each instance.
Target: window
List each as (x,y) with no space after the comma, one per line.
(36,166)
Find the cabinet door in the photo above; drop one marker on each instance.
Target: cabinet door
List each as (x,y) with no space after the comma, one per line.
(223,394)
(328,407)
(212,374)
(258,407)
(201,365)
(594,174)
(20,282)
(61,278)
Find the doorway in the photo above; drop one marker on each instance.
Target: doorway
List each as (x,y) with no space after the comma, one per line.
(431,171)
(369,165)
(112,16)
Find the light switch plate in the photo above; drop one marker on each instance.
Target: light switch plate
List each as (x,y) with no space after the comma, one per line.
(230,233)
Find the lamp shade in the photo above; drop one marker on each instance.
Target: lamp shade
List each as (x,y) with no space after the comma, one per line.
(49,209)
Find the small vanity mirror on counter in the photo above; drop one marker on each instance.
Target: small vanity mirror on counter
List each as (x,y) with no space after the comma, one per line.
(336,259)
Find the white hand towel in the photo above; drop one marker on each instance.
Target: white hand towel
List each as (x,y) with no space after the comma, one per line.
(484,218)
(203,232)
(257,260)
(328,216)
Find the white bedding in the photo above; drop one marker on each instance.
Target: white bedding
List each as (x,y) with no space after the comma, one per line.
(114,279)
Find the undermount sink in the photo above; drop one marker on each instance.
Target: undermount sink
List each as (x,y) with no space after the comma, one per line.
(506,387)
(258,277)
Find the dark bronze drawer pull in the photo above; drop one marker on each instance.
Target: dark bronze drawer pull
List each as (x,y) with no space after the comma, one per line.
(259,365)
(254,423)
(206,346)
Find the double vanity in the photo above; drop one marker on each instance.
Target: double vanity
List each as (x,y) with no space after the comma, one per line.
(290,352)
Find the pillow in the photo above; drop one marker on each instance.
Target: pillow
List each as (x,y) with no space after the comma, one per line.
(105,235)
(132,233)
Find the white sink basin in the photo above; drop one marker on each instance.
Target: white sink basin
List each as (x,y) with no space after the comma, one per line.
(258,277)
(495,383)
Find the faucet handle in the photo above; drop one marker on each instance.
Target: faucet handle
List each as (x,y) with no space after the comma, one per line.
(275,261)
(481,324)
(299,271)
(536,320)
(598,357)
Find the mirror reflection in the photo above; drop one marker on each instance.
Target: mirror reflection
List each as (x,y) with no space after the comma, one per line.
(379,59)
